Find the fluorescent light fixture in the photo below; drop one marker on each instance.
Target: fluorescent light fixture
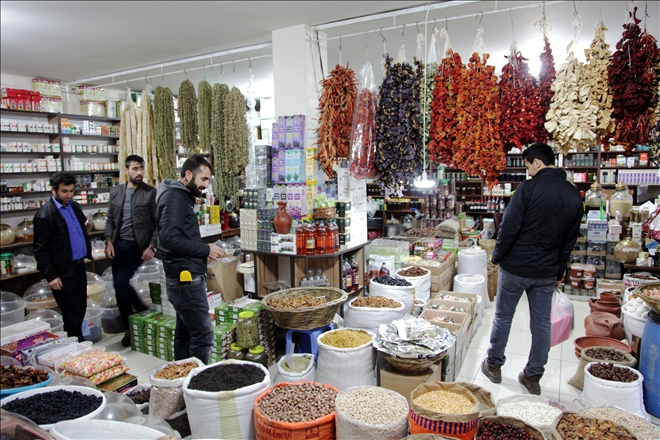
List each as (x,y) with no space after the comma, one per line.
(424,182)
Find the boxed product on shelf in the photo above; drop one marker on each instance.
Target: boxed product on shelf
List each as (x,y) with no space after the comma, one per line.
(222,277)
(20,349)
(228,312)
(136,323)
(21,330)
(223,336)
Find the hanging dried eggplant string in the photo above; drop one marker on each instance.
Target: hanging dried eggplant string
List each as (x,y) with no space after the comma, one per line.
(547,76)
(520,102)
(128,134)
(204,110)
(220,91)
(236,141)
(427,85)
(443,106)
(145,137)
(336,105)
(188,117)
(633,76)
(598,57)
(164,144)
(398,140)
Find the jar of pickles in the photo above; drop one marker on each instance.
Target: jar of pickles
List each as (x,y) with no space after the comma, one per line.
(258,355)
(236,352)
(247,330)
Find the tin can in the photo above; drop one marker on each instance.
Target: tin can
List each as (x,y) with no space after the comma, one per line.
(7,264)
(111,109)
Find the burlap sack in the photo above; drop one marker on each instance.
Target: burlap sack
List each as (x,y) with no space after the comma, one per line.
(578,379)
(487,405)
(516,423)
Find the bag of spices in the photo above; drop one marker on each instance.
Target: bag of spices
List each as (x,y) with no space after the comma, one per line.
(344,350)
(596,354)
(404,294)
(368,313)
(420,278)
(166,396)
(602,380)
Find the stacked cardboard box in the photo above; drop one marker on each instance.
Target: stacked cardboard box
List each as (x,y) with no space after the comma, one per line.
(249,228)
(224,335)
(165,338)
(136,325)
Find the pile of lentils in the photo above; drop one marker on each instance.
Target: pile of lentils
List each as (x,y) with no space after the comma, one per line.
(14,377)
(300,402)
(605,354)
(611,372)
(638,426)
(445,402)
(54,406)
(389,281)
(227,377)
(537,414)
(414,271)
(376,302)
(372,406)
(575,427)
(141,396)
(490,430)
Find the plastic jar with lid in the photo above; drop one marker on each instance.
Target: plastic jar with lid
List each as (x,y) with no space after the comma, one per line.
(258,355)
(247,330)
(236,352)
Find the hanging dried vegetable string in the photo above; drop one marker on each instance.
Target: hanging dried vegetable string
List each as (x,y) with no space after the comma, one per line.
(427,86)
(204,109)
(363,129)
(188,117)
(654,134)
(443,106)
(164,132)
(338,94)
(595,69)
(236,141)
(522,114)
(220,91)
(145,137)
(398,140)
(547,76)
(633,77)
(128,134)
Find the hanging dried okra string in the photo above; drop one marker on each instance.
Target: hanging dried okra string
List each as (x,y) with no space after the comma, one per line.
(204,110)
(188,117)
(236,141)
(164,144)
(220,91)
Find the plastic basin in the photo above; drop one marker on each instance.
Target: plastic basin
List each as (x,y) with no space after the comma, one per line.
(102,429)
(11,391)
(111,321)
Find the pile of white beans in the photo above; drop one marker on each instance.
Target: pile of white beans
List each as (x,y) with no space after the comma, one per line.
(539,415)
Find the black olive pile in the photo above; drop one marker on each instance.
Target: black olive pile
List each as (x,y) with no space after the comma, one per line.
(389,281)
(611,372)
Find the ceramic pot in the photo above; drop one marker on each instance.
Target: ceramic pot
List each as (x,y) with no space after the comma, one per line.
(282,221)
(592,341)
(611,307)
(603,324)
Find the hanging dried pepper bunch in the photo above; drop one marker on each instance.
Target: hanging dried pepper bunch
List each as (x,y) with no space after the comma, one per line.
(633,77)
(188,116)
(363,131)
(164,144)
(443,108)
(520,101)
(654,134)
(398,140)
(220,91)
(479,150)
(236,140)
(598,60)
(204,110)
(336,115)
(547,76)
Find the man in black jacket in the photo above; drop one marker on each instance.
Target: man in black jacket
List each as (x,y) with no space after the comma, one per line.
(183,250)
(537,234)
(61,245)
(130,236)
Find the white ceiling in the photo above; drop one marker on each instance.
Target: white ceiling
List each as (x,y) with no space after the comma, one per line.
(72,40)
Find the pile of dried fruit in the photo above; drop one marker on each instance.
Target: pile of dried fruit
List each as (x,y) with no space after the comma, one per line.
(398,140)
(575,427)
(413,271)
(176,371)
(611,372)
(605,354)
(376,302)
(336,114)
(633,76)
(298,402)
(14,377)
(419,232)
(297,302)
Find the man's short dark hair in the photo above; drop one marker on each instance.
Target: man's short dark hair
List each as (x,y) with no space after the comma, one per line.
(195,163)
(133,158)
(61,178)
(541,151)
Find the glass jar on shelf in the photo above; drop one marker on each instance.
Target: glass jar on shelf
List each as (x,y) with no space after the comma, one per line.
(258,355)
(621,201)
(595,197)
(247,330)
(236,352)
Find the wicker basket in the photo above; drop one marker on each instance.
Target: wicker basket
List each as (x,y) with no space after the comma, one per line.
(412,366)
(324,213)
(306,318)
(653,303)
(493,275)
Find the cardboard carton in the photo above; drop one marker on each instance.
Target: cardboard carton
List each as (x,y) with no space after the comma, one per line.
(405,383)
(222,277)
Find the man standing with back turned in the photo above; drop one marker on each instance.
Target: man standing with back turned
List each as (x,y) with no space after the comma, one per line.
(537,234)
(185,258)
(130,236)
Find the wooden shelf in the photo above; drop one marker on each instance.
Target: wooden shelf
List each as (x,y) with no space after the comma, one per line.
(27,112)
(580,168)
(88,118)
(10,175)
(24,193)
(23,244)
(231,232)
(336,254)
(18,211)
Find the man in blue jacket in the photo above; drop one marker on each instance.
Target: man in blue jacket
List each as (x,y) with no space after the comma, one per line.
(538,232)
(183,250)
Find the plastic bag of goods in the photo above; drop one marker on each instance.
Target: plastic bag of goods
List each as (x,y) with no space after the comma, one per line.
(166,396)
(304,368)
(536,411)
(220,398)
(346,350)
(363,129)
(420,278)
(294,410)
(376,263)
(396,289)
(444,408)
(506,427)
(97,366)
(371,413)
(599,354)
(603,380)
(368,312)
(571,425)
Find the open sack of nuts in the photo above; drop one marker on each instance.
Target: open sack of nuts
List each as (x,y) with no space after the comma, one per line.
(596,354)
(369,312)
(506,427)
(166,397)
(602,380)
(572,426)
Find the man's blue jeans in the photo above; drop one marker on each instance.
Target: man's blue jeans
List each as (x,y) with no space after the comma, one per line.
(193,335)
(510,288)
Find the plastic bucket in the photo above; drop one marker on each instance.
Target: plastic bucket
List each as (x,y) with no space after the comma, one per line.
(102,429)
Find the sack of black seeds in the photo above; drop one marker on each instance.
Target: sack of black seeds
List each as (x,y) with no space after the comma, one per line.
(220,398)
(166,396)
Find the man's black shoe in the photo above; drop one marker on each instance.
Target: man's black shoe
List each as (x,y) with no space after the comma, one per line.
(491,371)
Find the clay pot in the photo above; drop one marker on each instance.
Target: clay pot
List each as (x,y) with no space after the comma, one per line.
(593,341)
(282,221)
(603,324)
(608,297)
(598,305)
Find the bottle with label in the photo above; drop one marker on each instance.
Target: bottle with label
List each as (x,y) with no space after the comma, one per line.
(383,271)
(347,274)
(321,235)
(329,238)
(355,268)
(310,239)
(335,238)
(300,238)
